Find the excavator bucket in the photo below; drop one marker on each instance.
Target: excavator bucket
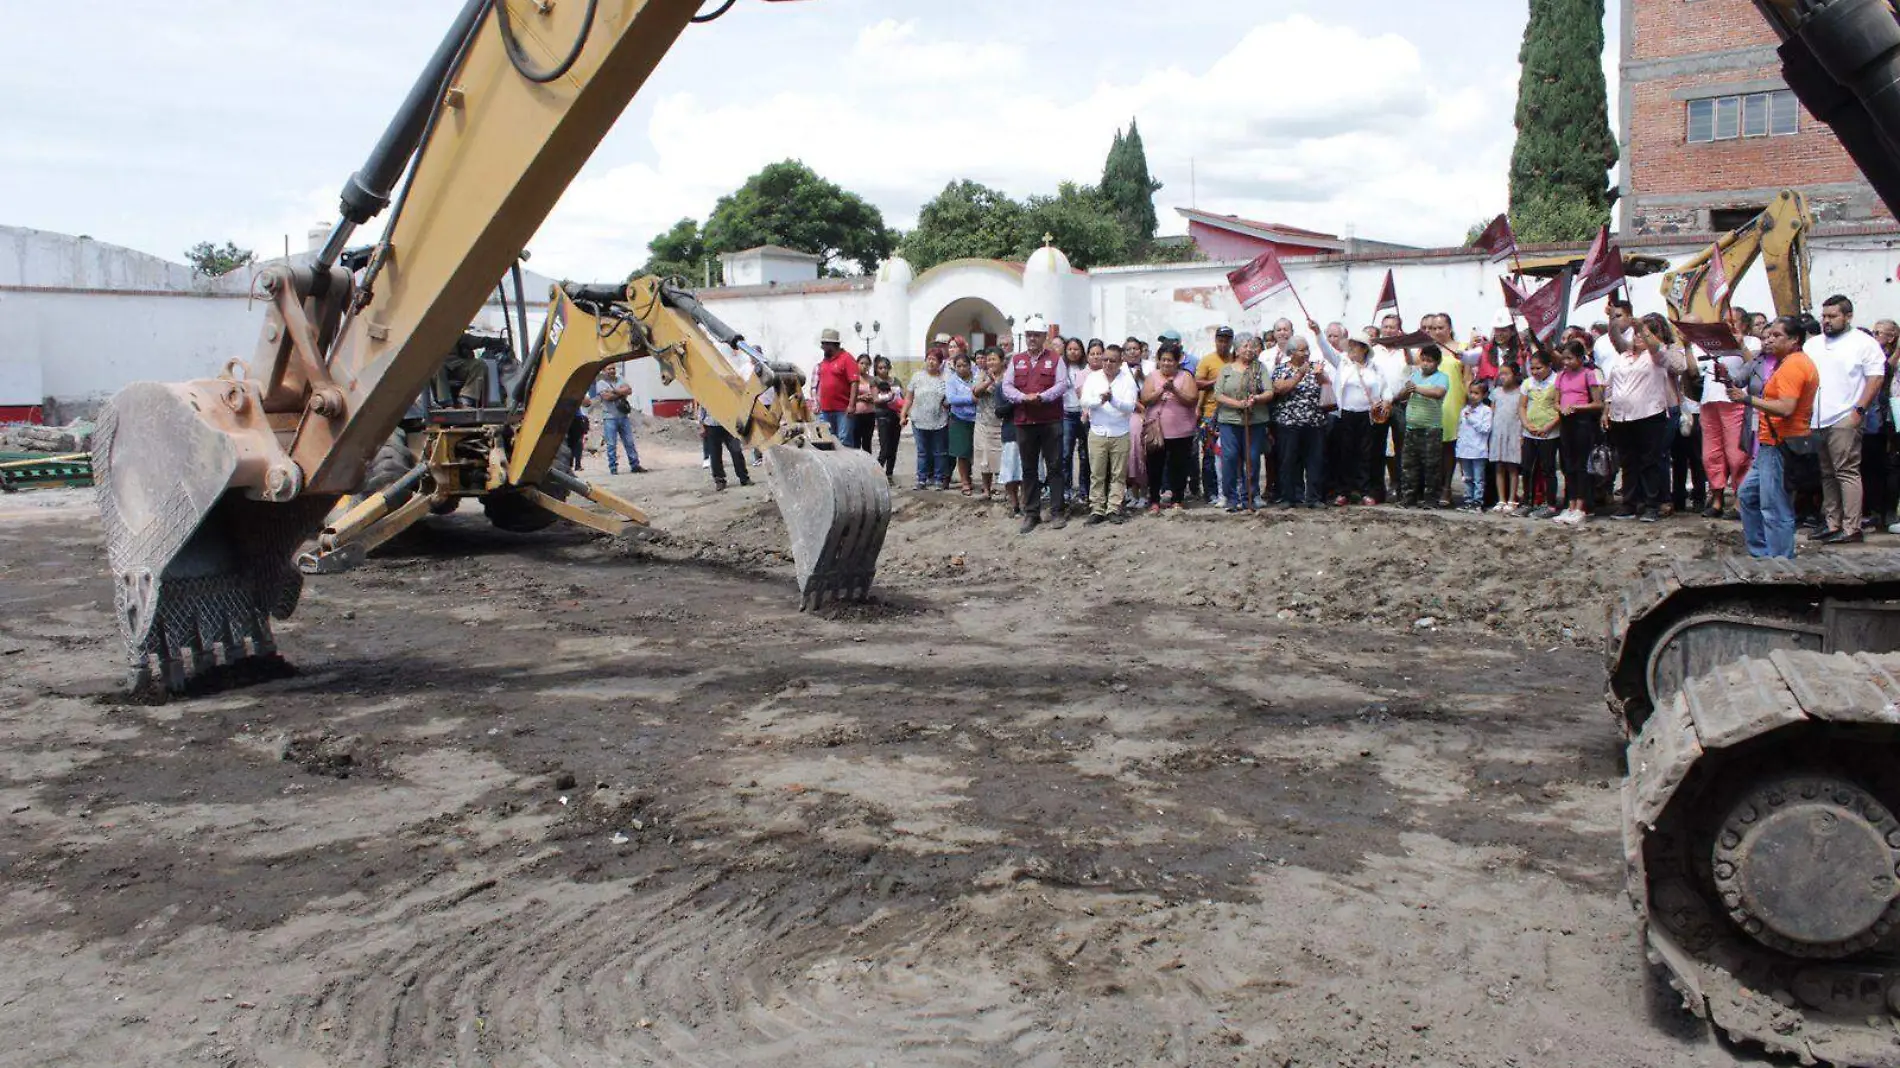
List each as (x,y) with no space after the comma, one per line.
(837,506)
(198,567)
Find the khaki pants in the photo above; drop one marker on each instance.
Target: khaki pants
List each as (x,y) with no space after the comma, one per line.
(1840,476)
(1108,473)
(989,449)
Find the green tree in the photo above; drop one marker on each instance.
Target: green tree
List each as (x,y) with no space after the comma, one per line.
(211,261)
(1128,188)
(1082,223)
(1559,189)
(788,204)
(681,252)
(967,219)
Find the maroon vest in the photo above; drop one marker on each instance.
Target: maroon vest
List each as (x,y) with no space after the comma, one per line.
(1033,375)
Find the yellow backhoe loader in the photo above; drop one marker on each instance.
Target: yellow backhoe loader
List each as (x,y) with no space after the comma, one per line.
(208,488)
(513,459)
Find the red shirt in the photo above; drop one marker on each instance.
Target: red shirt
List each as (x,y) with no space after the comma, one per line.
(835,376)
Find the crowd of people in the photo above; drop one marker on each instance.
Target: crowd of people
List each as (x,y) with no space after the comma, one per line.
(1622,420)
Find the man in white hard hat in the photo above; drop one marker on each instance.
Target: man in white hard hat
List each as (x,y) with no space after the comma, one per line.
(837,386)
(1035,383)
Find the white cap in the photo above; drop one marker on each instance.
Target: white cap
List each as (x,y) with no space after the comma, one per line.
(1035,324)
(1503,320)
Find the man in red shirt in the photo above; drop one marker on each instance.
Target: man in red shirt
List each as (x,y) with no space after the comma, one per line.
(837,386)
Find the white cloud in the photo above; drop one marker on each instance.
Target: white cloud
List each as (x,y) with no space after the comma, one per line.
(1300,121)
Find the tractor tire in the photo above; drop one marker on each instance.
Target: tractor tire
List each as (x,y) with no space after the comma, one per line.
(508,510)
(391,462)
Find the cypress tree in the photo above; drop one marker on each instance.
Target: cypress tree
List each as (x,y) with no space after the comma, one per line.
(1559,190)
(1128,188)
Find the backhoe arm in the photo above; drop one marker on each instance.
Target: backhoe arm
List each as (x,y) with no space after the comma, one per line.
(206,488)
(835,501)
(591,326)
(1778,237)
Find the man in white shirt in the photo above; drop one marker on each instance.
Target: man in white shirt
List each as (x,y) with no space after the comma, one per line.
(1108,399)
(1393,366)
(1851,366)
(1618,333)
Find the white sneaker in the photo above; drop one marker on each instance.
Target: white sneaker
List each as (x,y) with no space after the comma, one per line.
(1894,529)
(706,463)
(1571,518)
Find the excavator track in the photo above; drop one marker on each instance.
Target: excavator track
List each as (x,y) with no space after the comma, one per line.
(1688,618)
(1763,851)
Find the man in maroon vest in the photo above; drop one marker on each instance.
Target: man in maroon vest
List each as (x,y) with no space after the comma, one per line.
(1036,382)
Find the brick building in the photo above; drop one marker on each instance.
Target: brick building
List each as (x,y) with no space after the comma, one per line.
(1711,132)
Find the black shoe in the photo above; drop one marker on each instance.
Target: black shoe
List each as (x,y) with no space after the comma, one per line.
(1627,513)
(1854,538)
(745,482)
(719,483)
(1059,520)
(1826,537)
(1650,515)
(1095,521)
(1118,519)
(636,470)
(1030,521)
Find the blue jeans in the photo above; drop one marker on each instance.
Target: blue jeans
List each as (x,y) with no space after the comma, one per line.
(1075,454)
(841,428)
(1472,471)
(1767,510)
(1235,484)
(933,455)
(617,429)
(1206,437)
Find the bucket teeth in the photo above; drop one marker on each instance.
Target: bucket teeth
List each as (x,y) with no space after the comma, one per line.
(837,507)
(199,569)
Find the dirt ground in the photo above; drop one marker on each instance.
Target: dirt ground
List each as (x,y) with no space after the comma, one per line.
(1321,790)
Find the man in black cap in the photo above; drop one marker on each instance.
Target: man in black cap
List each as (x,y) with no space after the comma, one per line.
(1207,434)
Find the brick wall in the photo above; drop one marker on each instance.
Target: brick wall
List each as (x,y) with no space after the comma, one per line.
(1662,161)
(1666,28)
(1673,35)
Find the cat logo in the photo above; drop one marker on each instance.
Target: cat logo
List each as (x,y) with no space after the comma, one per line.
(557,325)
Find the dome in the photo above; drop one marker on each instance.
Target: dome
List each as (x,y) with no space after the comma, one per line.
(1047,260)
(895,271)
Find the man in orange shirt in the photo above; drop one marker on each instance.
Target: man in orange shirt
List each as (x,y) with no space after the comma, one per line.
(1786,405)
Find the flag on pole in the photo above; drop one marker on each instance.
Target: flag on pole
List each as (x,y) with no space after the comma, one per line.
(1497,239)
(1513,293)
(1388,294)
(1257,281)
(1715,278)
(1544,309)
(1602,268)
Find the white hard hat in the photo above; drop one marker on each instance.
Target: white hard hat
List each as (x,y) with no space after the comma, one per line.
(1036,324)
(1503,320)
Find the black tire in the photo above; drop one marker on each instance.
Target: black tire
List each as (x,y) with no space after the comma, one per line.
(508,510)
(391,462)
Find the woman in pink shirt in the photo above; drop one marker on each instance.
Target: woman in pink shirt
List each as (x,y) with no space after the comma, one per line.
(1170,397)
(1579,407)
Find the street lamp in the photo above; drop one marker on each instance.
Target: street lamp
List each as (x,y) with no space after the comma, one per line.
(867,339)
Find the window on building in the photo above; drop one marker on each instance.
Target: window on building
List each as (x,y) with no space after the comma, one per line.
(1725,118)
(1722,220)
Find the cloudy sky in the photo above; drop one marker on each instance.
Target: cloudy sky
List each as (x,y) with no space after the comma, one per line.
(216,119)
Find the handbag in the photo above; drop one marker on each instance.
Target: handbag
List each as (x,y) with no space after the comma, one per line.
(1805,445)
(1602,462)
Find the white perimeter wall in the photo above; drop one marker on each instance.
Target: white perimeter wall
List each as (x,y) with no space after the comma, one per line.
(79,320)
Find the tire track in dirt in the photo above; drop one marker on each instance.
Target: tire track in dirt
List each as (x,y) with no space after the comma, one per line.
(696,974)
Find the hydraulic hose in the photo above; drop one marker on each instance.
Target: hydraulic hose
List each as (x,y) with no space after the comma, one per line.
(524,65)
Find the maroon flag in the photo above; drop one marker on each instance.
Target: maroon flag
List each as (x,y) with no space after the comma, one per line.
(1497,239)
(1513,293)
(1257,281)
(1388,294)
(1715,278)
(1716,339)
(1602,269)
(1544,309)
